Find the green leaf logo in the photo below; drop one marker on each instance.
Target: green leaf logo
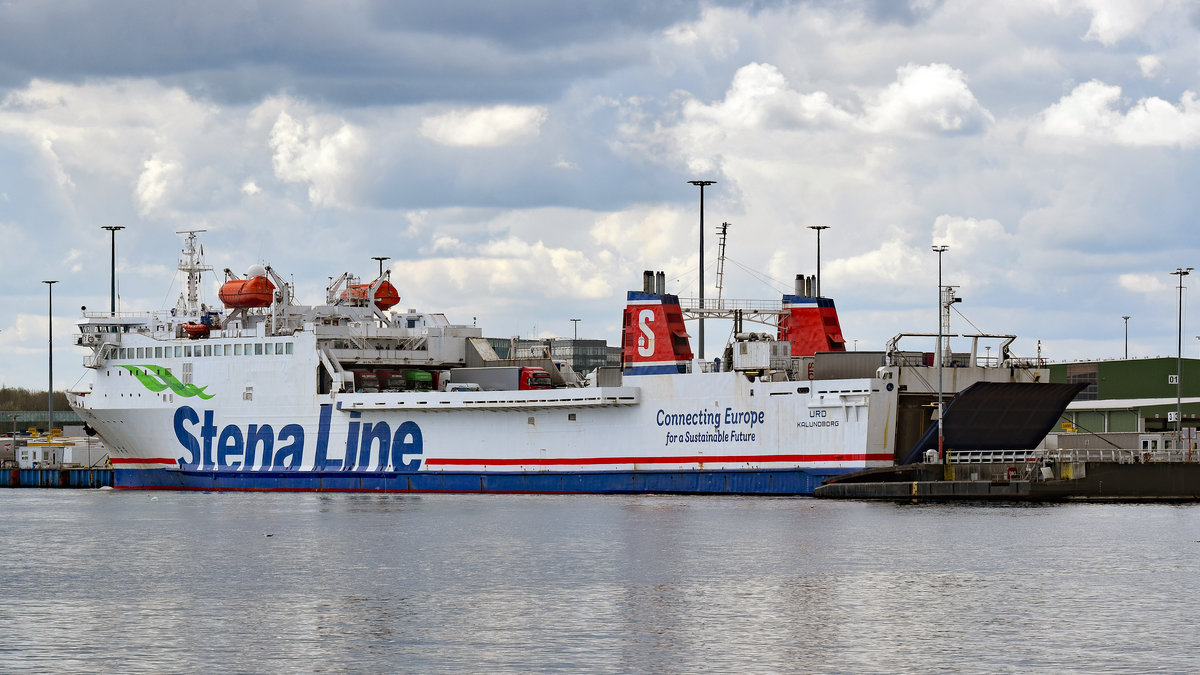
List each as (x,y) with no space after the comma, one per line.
(157,378)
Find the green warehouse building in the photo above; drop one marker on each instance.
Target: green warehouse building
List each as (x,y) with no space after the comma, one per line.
(1130,396)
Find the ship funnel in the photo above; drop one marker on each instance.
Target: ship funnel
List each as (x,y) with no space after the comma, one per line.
(810,324)
(653,338)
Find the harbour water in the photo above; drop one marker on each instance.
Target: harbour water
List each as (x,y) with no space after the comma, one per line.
(118,581)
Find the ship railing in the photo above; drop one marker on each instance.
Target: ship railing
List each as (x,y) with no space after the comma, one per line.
(994,456)
(1124,455)
(724,304)
(122,315)
(97,358)
(1076,455)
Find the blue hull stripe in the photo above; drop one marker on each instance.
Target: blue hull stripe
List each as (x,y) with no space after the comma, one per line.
(757,482)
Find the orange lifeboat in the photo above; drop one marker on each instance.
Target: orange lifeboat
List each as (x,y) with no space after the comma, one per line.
(386,296)
(245,293)
(196,331)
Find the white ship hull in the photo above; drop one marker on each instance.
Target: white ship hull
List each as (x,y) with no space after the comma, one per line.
(260,430)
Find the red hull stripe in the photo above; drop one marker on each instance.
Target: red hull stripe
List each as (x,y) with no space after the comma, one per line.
(707,459)
(579,461)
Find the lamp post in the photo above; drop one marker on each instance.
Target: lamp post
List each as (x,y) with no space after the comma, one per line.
(701,184)
(1126,317)
(576,325)
(50,353)
(818,228)
(941,438)
(113,284)
(1181,273)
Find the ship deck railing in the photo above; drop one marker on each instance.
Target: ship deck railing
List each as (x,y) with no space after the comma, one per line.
(1076,455)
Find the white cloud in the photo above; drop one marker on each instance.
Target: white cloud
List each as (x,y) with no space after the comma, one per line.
(1147,284)
(1150,65)
(105,130)
(973,236)
(74,260)
(760,107)
(157,178)
(443,243)
(489,127)
(759,98)
(251,188)
(1090,113)
(650,234)
(933,98)
(320,152)
(682,34)
(890,264)
(1112,20)
(510,266)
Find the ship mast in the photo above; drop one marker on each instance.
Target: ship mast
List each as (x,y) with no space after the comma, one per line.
(192,264)
(723,232)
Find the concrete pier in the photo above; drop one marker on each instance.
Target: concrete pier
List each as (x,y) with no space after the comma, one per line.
(1075,481)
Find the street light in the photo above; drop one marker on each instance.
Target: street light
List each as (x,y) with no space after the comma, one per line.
(702,184)
(113,284)
(576,324)
(818,228)
(50,353)
(1181,273)
(941,452)
(1126,317)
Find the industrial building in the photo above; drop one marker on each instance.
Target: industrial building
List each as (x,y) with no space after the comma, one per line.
(1130,396)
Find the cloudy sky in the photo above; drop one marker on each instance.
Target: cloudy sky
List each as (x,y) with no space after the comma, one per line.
(522,162)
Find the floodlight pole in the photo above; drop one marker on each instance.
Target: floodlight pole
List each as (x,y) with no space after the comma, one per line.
(50,354)
(702,184)
(575,322)
(113,284)
(818,228)
(1181,273)
(941,438)
(1126,317)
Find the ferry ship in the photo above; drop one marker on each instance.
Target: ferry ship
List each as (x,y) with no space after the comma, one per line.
(264,393)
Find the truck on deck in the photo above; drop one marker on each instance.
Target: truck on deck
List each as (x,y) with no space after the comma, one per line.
(502,378)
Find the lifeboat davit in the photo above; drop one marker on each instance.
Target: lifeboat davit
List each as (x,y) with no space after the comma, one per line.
(386,296)
(255,291)
(196,330)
